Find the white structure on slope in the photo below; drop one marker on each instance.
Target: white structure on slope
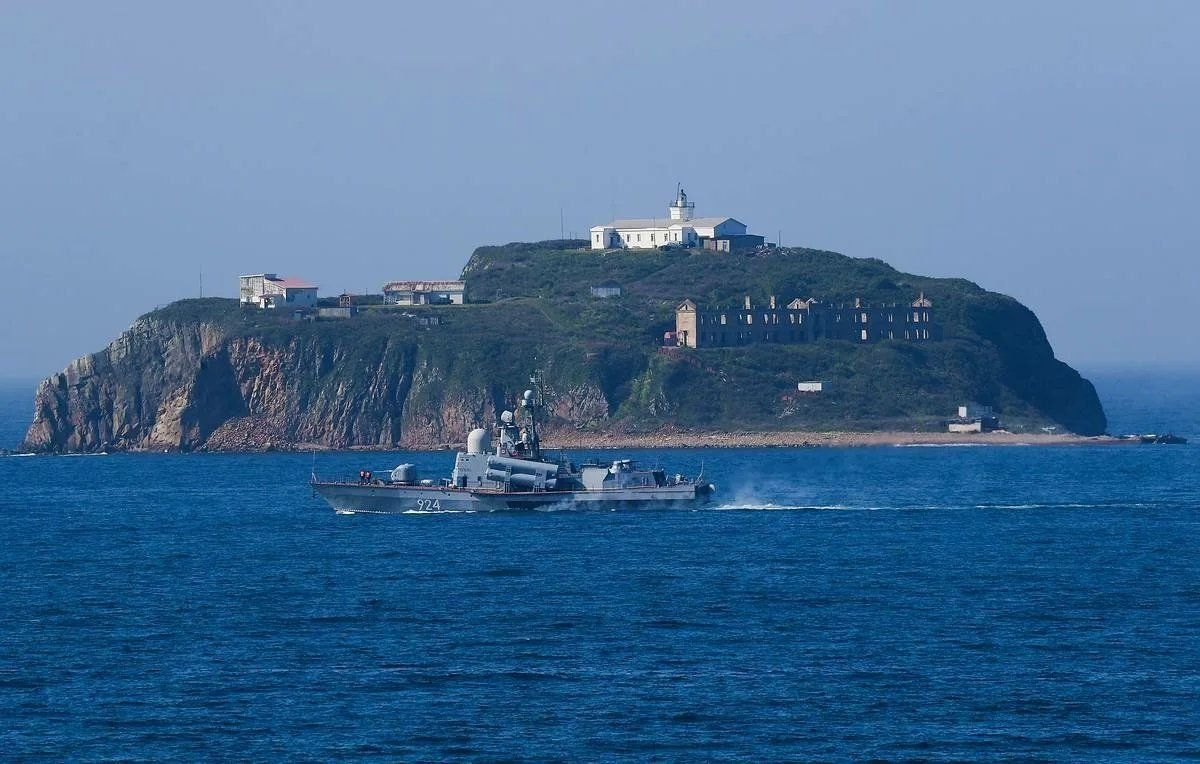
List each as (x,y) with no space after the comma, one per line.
(424,292)
(266,290)
(679,228)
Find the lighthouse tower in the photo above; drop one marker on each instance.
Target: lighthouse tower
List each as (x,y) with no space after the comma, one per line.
(681,208)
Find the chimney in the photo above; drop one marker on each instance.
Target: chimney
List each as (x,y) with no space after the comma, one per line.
(747,303)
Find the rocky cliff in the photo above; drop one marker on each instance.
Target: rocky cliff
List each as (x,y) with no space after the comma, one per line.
(172,384)
(208,374)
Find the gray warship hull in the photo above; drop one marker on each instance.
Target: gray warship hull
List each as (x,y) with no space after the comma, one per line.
(515,476)
(349,497)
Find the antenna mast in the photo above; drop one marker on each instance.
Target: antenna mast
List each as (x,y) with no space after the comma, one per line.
(532,399)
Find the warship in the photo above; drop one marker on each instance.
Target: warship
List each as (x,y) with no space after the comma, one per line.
(514,475)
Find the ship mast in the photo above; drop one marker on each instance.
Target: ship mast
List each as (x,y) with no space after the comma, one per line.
(530,404)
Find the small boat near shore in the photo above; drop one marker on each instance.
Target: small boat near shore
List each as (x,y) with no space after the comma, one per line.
(515,475)
(1168,439)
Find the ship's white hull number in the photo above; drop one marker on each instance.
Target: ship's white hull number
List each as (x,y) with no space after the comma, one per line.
(428,505)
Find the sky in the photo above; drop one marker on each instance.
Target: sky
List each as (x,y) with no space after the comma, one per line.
(1043,150)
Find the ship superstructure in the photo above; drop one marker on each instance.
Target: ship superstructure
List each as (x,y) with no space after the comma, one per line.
(513,475)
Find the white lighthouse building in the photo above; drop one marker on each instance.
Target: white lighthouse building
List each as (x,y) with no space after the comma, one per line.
(680,227)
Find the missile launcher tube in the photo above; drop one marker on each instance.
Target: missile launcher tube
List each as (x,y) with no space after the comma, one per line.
(521,466)
(521,480)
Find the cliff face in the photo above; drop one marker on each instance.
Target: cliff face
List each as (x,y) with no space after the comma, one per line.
(137,392)
(207,374)
(166,385)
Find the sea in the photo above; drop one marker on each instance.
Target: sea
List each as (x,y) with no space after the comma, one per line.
(883,603)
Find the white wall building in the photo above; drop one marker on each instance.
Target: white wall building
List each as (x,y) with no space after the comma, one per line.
(973,417)
(606,289)
(679,227)
(974,411)
(424,292)
(266,290)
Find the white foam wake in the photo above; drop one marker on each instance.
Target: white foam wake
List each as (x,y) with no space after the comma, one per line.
(771,506)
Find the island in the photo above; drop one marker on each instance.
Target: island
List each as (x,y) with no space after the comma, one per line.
(604,336)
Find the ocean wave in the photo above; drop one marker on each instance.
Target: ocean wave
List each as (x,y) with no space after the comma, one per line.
(1070,505)
(770,506)
(437,511)
(753,506)
(405,512)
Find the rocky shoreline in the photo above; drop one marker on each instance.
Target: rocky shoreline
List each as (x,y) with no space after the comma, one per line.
(578,441)
(613,442)
(264,438)
(802,439)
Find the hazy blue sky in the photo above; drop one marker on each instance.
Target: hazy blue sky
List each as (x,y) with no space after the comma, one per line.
(1045,149)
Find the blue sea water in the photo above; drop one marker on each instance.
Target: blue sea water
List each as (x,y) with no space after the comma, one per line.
(891,603)
(16,410)
(1150,400)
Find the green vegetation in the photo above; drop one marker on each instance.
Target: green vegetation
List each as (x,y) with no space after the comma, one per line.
(531,311)
(994,350)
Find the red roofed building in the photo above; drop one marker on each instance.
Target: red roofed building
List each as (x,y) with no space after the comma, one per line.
(267,290)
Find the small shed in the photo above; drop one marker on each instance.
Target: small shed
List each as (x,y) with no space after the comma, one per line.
(606,289)
(972,410)
(961,426)
(973,417)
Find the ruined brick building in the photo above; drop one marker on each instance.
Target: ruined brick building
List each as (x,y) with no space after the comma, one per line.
(803,321)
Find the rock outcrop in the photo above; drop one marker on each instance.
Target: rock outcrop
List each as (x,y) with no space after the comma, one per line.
(183,386)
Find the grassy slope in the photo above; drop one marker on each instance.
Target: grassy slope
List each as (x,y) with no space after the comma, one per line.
(533,311)
(995,350)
